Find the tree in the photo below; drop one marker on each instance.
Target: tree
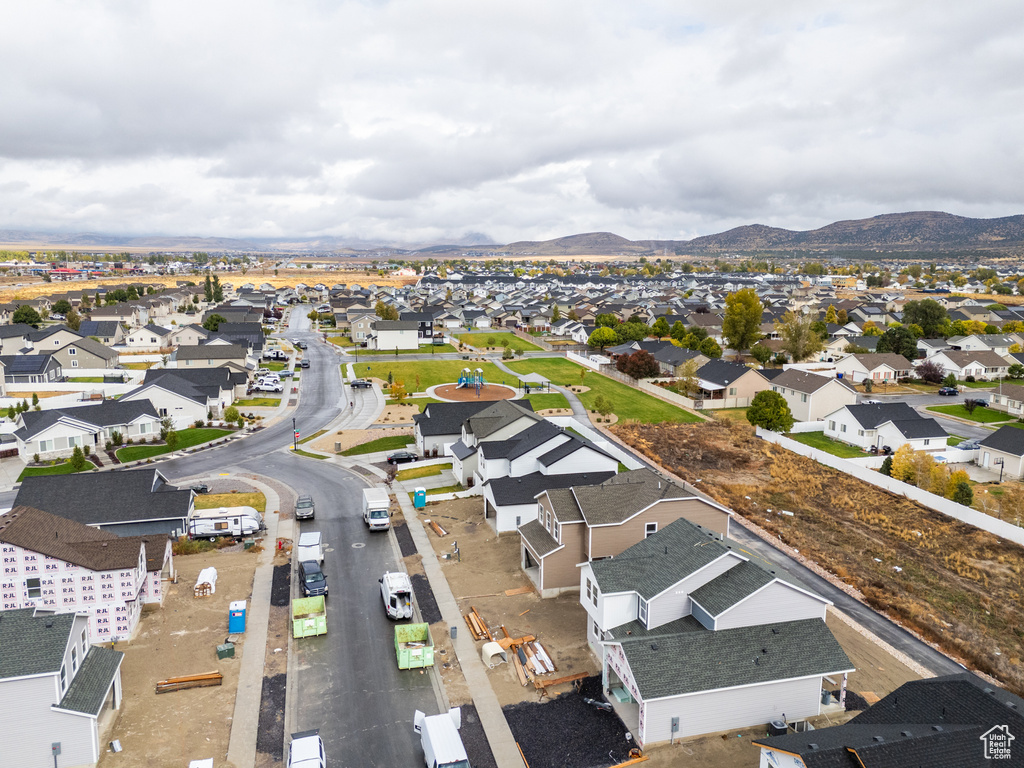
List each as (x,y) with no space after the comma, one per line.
(1015,371)
(212,323)
(35,398)
(886,468)
(963,494)
(556,313)
(77,459)
(172,439)
(602,337)
(956,477)
(769,410)
(62,306)
(385,311)
(133,293)
(799,339)
(72,320)
(397,390)
(903,463)
(230,414)
(741,325)
(678,330)
(27,315)
(573,316)
(641,365)
(930,371)
(761,352)
(899,340)
(871,329)
(218,290)
(842,318)
(606,320)
(627,332)
(831,316)
(12,413)
(970,404)
(661,328)
(950,380)
(710,348)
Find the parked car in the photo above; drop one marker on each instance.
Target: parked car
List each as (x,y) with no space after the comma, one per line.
(304,364)
(969,445)
(306,750)
(360,384)
(949,391)
(400,457)
(305,509)
(200,488)
(300,345)
(268,387)
(312,578)
(870,402)
(980,401)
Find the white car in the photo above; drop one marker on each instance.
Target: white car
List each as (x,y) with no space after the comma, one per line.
(268,387)
(306,750)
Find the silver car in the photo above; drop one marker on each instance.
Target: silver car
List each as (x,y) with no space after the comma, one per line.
(305,509)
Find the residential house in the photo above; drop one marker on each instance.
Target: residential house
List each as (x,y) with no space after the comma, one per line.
(392,335)
(128,503)
(498,421)
(128,313)
(31,369)
(14,338)
(695,637)
(878,367)
(993,342)
(361,324)
(952,720)
(56,432)
(189,336)
(81,353)
(109,332)
(885,424)
(1008,398)
(212,355)
(810,396)
(59,565)
(424,322)
(725,384)
(440,424)
(602,517)
(983,365)
(151,337)
(1003,450)
(178,398)
(56,687)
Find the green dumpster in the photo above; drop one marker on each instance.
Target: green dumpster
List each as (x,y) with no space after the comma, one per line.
(309,616)
(413,646)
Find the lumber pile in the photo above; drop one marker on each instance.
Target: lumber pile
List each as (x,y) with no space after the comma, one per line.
(189,681)
(518,591)
(441,532)
(477,626)
(543,685)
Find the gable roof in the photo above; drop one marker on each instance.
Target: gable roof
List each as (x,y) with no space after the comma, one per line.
(723,372)
(211,352)
(103,414)
(447,418)
(873,360)
(985,357)
(803,381)
(64,539)
(1006,439)
(33,644)
(23,365)
(525,489)
(872,415)
(89,687)
(622,496)
(729,588)
(498,415)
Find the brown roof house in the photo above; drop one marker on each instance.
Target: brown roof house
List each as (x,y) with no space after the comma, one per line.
(583,523)
(879,366)
(812,397)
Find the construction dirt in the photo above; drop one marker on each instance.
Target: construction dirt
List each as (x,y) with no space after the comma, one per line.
(490,565)
(349,438)
(181,638)
(955,585)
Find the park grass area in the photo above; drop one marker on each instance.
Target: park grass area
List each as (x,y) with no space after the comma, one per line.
(64,468)
(627,403)
(258,402)
(430,372)
(827,444)
(216,500)
(981,414)
(187,438)
(391,443)
(543,400)
(499,340)
(414,473)
(426,349)
(421,402)
(138,366)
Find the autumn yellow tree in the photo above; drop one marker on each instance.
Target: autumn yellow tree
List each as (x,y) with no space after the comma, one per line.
(940,480)
(903,463)
(956,477)
(922,464)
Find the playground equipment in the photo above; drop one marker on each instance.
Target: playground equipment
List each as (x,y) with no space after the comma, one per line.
(470,378)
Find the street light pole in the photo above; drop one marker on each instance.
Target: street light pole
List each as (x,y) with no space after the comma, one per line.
(295,438)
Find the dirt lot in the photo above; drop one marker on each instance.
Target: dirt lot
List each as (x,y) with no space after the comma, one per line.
(958,587)
(181,638)
(351,437)
(490,565)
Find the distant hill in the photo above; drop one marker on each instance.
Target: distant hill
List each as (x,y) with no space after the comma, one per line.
(914,231)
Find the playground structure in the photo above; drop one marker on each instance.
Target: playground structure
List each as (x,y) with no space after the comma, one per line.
(473,379)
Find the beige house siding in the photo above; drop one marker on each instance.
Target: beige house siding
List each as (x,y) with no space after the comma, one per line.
(608,541)
(559,570)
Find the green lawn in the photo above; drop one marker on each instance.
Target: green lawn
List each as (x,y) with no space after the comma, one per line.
(390,443)
(978,384)
(314,436)
(981,414)
(215,500)
(430,372)
(627,403)
(421,402)
(414,473)
(308,455)
(186,439)
(341,341)
(274,366)
(954,440)
(137,366)
(542,400)
(822,443)
(86,379)
(426,349)
(258,402)
(500,339)
(56,469)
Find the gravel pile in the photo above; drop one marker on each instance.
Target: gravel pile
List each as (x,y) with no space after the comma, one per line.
(281,587)
(270,733)
(566,732)
(475,740)
(855,702)
(425,598)
(405,543)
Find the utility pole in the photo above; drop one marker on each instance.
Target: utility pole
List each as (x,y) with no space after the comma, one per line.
(295,436)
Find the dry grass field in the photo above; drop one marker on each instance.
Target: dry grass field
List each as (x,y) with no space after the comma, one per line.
(956,586)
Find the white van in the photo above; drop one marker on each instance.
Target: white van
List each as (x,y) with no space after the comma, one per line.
(310,547)
(225,521)
(439,735)
(376,502)
(396,591)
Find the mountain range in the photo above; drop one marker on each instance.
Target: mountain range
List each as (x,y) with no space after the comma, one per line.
(892,232)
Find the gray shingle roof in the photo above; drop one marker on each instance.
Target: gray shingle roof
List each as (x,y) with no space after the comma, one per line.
(624,495)
(89,687)
(447,418)
(524,489)
(211,352)
(1006,439)
(105,414)
(729,588)
(801,381)
(690,662)
(30,647)
(496,416)
(872,415)
(540,541)
(722,372)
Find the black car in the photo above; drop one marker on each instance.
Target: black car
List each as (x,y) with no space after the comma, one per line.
(400,457)
(201,488)
(312,578)
(949,391)
(360,384)
(304,364)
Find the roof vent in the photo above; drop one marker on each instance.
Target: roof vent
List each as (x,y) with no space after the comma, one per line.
(764,650)
(757,661)
(937,728)
(1011,705)
(906,734)
(654,646)
(989,691)
(879,739)
(812,746)
(49,623)
(775,630)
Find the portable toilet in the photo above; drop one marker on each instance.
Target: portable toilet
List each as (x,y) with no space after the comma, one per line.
(236,617)
(419,497)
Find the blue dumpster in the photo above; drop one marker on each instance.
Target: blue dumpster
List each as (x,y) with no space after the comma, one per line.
(236,617)
(419,498)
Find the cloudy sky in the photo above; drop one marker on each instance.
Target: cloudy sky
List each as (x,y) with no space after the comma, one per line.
(432,120)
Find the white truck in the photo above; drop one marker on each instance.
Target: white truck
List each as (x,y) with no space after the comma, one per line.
(375,509)
(306,750)
(439,735)
(311,547)
(225,521)
(396,591)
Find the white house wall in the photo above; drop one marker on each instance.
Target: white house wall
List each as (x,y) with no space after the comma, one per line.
(724,710)
(183,410)
(25,708)
(776,603)
(582,460)
(674,603)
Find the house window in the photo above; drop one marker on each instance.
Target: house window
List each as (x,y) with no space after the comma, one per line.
(45,446)
(72,351)
(143,428)
(63,678)
(803,398)
(926,441)
(732,391)
(643,611)
(85,644)
(860,433)
(74,659)
(832,426)
(842,427)
(650,528)
(34,588)
(597,631)
(74,363)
